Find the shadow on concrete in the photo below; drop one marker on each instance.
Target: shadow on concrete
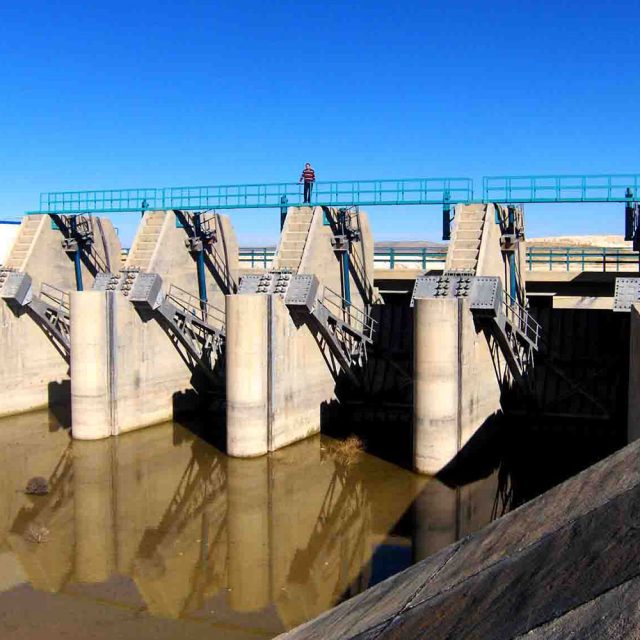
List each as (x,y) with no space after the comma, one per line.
(59,399)
(480,456)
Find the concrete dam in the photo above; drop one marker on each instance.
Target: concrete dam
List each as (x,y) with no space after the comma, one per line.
(426,364)
(178,319)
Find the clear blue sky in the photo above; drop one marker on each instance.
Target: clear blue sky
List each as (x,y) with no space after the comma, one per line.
(121,94)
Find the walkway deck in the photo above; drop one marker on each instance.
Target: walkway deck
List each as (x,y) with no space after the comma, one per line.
(564,565)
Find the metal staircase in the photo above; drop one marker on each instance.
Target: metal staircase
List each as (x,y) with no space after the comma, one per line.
(197,327)
(518,335)
(50,309)
(346,329)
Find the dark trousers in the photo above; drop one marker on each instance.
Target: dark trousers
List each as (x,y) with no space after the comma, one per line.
(308,186)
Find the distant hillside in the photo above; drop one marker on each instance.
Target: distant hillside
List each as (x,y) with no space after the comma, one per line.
(414,244)
(581,241)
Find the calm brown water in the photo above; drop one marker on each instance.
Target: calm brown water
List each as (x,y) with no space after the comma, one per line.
(158,535)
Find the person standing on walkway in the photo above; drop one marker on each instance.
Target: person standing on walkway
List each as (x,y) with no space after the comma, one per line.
(308,177)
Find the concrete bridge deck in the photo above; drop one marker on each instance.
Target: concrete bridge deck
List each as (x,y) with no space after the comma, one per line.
(564,565)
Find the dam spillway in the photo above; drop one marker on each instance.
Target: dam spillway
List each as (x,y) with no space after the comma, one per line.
(433,367)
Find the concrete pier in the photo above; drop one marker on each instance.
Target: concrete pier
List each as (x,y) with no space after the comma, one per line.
(459,374)
(280,370)
(33,371)
(126,372)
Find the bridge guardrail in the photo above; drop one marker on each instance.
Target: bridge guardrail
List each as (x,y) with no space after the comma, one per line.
(388,191)
(537,259)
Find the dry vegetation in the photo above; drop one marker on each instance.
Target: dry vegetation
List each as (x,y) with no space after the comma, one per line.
(36,533)
(348,451)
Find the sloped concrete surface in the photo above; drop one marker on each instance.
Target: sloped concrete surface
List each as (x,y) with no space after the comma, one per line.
(566,565)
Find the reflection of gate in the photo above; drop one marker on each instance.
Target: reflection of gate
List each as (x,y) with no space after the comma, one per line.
(202,483)
(339,535)
(60,492)
(48,519)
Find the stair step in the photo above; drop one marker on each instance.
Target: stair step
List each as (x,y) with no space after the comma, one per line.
(465,245)
(472,214)
(292,245)
(289,255)
(469,224)
(296,235)
(293,264)
(464,253)
(458,263)
(297,227)
(469,234)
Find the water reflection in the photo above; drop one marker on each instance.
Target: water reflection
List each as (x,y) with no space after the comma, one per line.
(160,522)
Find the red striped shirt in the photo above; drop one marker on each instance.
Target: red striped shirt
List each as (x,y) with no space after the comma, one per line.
(309,175)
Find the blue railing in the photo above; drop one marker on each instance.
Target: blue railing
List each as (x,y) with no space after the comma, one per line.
(581,259)
(344,193)
(537,258)
(561,188)
(421,257)
(412,191)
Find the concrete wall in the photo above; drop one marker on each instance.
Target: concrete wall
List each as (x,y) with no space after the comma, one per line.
(457,380)
(125,370)
(277,373)
(32,371)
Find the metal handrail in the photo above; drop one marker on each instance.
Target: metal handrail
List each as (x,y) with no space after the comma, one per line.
(350,314)
(55,298)
(561,188)
(390,191)
(525,323)
(566,257)
(193,305)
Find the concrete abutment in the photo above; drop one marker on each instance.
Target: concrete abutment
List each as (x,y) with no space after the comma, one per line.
(34,372)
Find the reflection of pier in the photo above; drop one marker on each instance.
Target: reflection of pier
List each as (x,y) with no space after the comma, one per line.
(288,534)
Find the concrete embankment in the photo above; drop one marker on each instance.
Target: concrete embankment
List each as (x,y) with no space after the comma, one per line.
(564,565)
